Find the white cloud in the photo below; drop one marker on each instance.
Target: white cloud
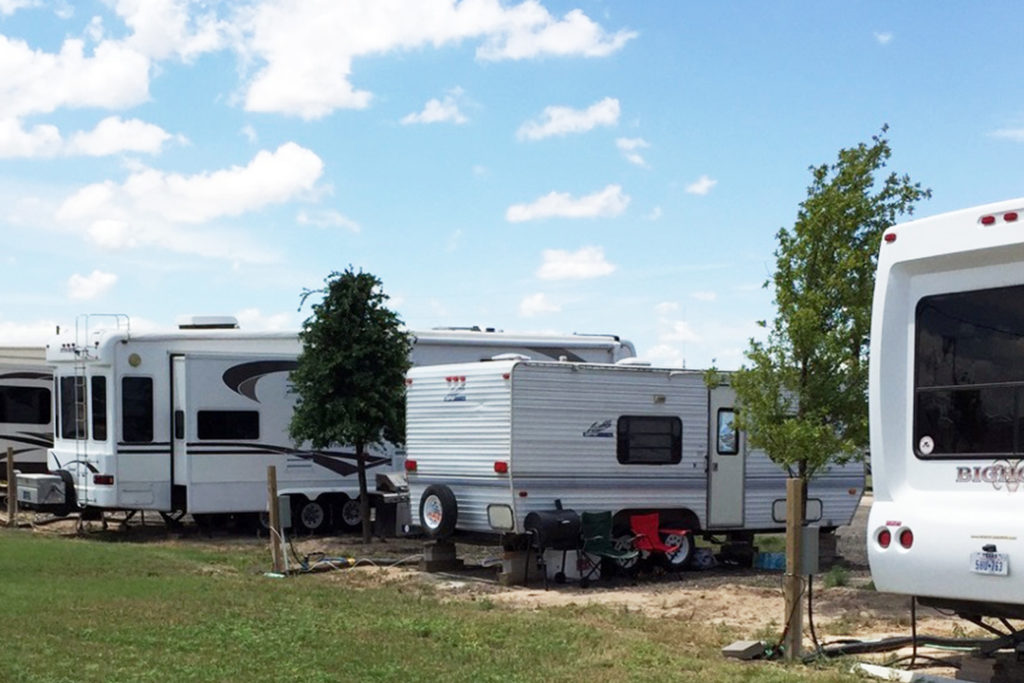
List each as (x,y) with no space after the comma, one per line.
(439,111)
(666,307)
(92,286)
(35,333)
(537,304)
(629,147)
(154,208)
(883,38)
(8,7)
(250,134)
(1015,134)
(701,186)
(609,202)
(584,264)
(303,51)
(255,320)
(327,219)
(35,82)
(704,296)
(113,135)
(165,28)
(655,214)
(565,120)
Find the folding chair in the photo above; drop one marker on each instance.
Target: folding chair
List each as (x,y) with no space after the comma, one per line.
(674,545)
(598,546)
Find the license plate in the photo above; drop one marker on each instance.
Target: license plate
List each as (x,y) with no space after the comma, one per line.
(990,563)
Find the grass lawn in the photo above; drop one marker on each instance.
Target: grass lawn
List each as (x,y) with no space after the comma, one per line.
(87,610)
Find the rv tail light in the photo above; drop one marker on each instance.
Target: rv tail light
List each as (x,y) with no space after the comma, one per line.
(506,375)
(410,465)
(501,466)
(890,237)
(884,538)
(906,538)
(988,220)
(103,479)
(408,382)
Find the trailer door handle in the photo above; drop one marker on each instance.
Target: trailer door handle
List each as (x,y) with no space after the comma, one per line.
(714,467)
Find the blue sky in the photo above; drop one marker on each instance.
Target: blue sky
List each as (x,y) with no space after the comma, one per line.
(587,166)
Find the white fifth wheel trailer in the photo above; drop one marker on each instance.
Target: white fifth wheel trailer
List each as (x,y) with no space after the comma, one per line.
(26,419)
(947,411)
(487,444)
(189,420)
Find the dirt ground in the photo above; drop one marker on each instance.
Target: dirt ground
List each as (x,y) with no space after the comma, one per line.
(747,599)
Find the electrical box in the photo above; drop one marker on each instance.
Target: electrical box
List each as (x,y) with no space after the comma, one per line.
(809,550)
(284,511)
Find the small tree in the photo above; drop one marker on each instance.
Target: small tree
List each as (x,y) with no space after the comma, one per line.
(350,378)
(804,394)
(803,397)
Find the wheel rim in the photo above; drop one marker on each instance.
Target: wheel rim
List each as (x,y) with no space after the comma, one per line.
(682,553)
(351,514)
(312,515)
(625,544)
(433,512)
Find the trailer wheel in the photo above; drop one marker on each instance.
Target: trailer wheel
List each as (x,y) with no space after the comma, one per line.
(679,559)
(310,515)
(438,511)
(350,513)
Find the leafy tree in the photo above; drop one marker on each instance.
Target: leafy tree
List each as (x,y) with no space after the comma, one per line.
(804,394)
(350,377)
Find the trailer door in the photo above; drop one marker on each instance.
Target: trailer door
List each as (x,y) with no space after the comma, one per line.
(179,444)
(726,450)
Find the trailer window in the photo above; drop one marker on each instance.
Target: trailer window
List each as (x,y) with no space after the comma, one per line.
(969,374)
(72,407)
(728,437)
(99,408)
(228,424)
(649,440)
(24,405)
(137,409)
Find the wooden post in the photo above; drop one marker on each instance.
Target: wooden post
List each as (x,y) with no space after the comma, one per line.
(12,490)
(276,548)
(793,588)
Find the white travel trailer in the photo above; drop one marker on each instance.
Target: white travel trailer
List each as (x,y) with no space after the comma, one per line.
(947,411)
(487,444)
(189,420)
(26,420)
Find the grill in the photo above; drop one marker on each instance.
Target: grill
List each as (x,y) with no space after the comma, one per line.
(553,530)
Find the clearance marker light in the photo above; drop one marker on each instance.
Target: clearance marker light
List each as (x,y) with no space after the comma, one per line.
(890,237)
(1010,216)
(988,220)
(501,467)
(410,465)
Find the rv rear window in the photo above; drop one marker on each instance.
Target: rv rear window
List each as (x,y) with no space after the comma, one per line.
(24,405)
(649,440)
(968,374)
(99,408)
(72,407)
(228,424)
(137,409)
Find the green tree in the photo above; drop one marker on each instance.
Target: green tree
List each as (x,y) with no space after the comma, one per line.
(350,378)
(804,392)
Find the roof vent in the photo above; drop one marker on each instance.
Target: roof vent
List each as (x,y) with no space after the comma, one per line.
(208,322)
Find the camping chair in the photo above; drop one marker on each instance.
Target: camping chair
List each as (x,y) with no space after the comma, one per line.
(598,545)
(673,545)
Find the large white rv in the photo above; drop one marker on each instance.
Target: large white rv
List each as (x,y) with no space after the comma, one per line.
(487,444)
(947,411)
(26,420)
(189,420)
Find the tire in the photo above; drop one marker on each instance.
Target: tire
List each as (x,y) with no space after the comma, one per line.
(680,559)
(310,515)
(627,566)
(350,514)
(439,511)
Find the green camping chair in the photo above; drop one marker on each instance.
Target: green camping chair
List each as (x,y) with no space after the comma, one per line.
(598,545)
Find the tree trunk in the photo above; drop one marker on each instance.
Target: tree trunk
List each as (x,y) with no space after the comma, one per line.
(364,494)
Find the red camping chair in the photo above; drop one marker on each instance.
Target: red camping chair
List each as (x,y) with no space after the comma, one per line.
(674,545)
